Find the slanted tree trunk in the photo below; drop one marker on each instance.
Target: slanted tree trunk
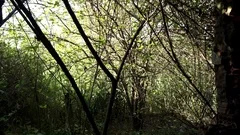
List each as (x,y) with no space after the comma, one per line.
(1,4)
(227,64)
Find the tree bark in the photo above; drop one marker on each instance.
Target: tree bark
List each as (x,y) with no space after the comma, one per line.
(227,65)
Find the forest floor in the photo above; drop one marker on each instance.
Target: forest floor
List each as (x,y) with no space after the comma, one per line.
(155,124)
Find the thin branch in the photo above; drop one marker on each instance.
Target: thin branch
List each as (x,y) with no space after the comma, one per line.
(9,15)
(88,43)
(41,36)
(179,64)
(194,21)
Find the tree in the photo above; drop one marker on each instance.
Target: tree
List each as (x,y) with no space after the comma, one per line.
(227,64)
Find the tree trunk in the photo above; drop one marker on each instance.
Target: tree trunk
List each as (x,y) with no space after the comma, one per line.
(138,102)
(227,65)
(69,113)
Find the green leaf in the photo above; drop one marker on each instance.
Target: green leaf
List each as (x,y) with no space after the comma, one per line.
(43,106)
